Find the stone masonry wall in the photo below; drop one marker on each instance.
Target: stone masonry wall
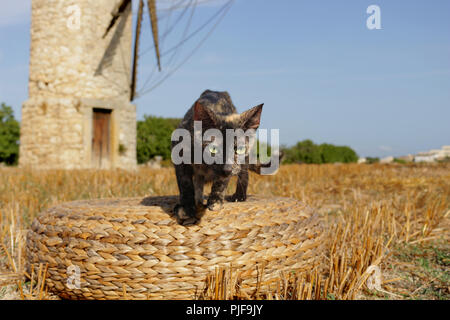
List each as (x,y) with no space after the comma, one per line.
(127,137)
(79,62)
(52,134)
(73,70)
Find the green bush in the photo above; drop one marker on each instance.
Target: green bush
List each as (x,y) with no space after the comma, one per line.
(308,152)
(400,161)
(303,152)
(445,160)
(331,154)
(9,136)
(371,160)
(153,137)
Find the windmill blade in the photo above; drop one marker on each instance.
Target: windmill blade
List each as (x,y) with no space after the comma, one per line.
(118,10)
(136,49)
(154,22)
(114,41)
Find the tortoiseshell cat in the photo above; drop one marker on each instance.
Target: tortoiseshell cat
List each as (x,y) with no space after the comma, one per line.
(216,111)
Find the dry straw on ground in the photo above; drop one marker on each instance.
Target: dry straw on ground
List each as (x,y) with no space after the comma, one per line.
(391,218)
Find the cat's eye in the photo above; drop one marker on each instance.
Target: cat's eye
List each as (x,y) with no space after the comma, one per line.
(240,150)
(213,149)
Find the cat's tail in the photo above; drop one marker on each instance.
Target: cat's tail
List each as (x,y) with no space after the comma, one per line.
(258,166)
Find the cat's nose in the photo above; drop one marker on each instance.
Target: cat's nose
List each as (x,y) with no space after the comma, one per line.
(227,169)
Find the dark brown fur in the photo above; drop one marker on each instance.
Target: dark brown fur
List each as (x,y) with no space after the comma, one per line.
(215,110)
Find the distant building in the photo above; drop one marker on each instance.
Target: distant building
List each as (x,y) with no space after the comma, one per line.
(389,159)
(425,157)
(408,158)
(433,155)
(362,160)
(443,153)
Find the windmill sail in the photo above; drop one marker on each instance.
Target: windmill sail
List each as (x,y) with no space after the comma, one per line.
(114,41)
(136,49)
(154,22)
(117,12)
(166,9)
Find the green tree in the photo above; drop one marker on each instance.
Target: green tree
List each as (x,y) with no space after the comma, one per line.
(349,155)
(331,154)
(153,137)
(303,152)
(308,152)
(9,136)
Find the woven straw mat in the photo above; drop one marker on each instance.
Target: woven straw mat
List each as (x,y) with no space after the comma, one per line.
(134,248)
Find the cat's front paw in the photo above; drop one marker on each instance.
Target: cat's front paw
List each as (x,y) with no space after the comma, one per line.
(238,198)
(185,215)
(215,204)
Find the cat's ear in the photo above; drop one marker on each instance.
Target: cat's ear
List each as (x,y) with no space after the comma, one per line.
(205,115)
(250,119)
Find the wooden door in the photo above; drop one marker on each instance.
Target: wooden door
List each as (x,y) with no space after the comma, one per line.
(101,141)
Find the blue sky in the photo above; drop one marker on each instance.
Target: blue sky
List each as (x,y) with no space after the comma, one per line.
(320,71)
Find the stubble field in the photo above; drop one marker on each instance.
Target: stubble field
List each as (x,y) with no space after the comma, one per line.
(389,218)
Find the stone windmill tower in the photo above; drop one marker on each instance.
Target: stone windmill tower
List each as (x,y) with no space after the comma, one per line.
(79,114)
